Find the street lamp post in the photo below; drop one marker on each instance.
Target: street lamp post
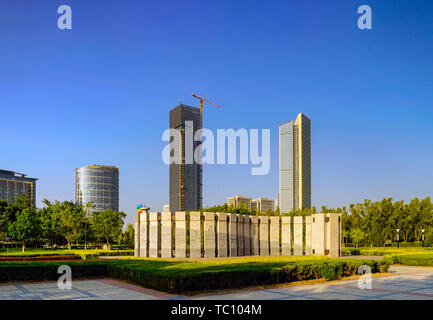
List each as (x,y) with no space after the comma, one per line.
(422,237)
(398,238)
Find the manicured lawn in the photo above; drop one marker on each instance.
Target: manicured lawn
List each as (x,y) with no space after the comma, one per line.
(185,275)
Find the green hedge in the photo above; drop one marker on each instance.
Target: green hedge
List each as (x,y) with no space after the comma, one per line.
(243,278)
(381,251)
(414,244)
(411,259)
(180,276)
(351,251)
(40,271)
(111,253)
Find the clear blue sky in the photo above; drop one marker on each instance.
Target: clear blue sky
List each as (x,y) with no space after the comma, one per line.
(101,92)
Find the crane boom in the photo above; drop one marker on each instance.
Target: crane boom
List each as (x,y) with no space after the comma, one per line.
(202,100)
(212,103)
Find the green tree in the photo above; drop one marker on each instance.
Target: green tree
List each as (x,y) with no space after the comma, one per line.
(128,236)
(25,227)
(4,217)
(9,211)
(87,219)
(71,217)
(108,225)
(50,221)
(357,236)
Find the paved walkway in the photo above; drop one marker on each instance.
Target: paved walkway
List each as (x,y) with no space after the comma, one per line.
(97,289)
(404,283)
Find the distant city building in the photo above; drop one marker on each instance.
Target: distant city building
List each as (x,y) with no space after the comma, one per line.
(99,184)
(186,180)
(236,201)
(263,204)
(166,208)
(13,185)
(277,201)
(295,164)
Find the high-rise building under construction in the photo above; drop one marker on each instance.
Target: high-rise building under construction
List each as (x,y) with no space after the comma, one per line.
(186,174)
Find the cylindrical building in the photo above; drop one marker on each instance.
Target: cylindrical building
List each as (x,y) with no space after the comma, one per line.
(99,184)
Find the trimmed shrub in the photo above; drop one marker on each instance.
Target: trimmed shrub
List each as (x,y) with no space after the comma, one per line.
(89,255)
(351,251)
(40,271)
(408,259)
(381,251)
(241,277)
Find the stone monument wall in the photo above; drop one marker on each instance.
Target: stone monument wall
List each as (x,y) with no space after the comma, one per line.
(229,235)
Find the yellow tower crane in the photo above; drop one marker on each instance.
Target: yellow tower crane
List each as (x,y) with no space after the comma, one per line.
(201,119)
(201,105)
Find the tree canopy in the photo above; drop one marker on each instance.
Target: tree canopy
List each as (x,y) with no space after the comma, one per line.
(58,223)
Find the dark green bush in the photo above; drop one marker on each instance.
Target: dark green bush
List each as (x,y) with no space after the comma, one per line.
(39,271)
(414,244)
(351,251)
(242,277)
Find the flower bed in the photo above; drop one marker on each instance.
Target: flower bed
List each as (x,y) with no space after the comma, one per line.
(57,257)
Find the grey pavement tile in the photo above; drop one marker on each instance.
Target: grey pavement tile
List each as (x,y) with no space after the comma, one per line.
(428,291)
(408,283)
(332,296)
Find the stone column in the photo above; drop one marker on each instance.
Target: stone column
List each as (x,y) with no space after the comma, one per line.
(222,234)
(233,235)
(274,235)
(144,234)
(166,235)
(180,234)
(264,235)
(154,236)
(240,231)
(194,234)
(247,236)
(209,235)
(137,235)
(297,236)
(333,235)
(308,239)
(318,242)
(254,235)
(286,236)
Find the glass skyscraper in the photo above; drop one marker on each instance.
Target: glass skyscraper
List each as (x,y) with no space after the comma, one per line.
(99,184)
(13,185)
(295,164)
